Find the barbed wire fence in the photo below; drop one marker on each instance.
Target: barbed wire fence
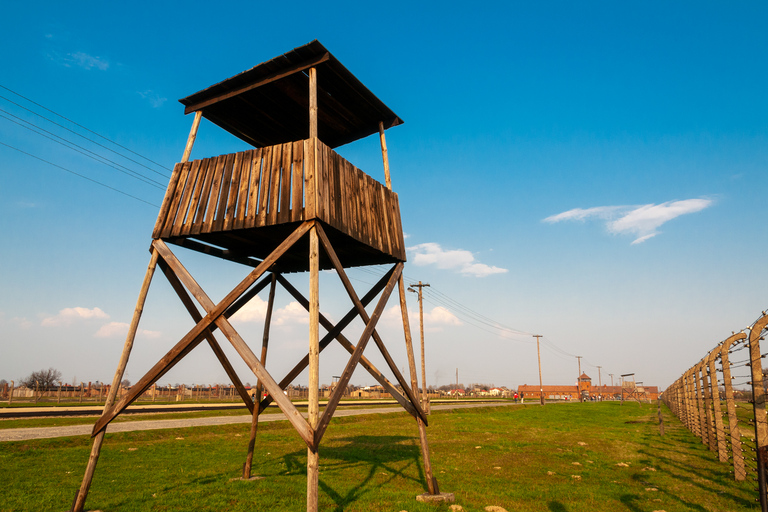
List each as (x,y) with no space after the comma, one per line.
(729,374)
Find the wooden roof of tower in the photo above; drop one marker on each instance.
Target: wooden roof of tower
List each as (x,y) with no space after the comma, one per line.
(241,206)
(268,104)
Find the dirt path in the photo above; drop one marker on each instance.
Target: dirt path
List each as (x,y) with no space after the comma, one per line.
(25,434)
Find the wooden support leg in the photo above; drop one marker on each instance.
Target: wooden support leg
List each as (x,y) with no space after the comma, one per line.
(96,447)
(313,456)
(431,480)
(255,416)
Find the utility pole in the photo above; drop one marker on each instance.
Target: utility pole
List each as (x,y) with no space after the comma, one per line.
(541,384)
(599,382)
(611,379)
(424,400)
(457,383)
(578,381)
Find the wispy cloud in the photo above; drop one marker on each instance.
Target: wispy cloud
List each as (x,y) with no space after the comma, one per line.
(456,259)
(153,98)
(643,222)
(69,315)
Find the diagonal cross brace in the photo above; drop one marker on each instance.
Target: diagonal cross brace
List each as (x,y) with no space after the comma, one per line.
(197,334)
(328,325)
(364,317)
(242,348)
(329,337)
(196,316)
(333,402)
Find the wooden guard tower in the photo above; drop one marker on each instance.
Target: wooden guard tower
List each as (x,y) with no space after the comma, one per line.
(291,204)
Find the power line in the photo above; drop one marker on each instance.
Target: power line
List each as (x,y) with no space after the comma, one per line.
(86,129)
(79,175)
(79,149)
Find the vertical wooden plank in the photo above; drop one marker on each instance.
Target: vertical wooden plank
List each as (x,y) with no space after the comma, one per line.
(365,207)
(284,215)
(189,191)
(205,195)
(338,195)
(310,183)
(266,177)
(213,198)
(167,199)
(257,174)
(177,196)
(320,179)
(344,198)
(234,191)
(398,226)
(386,220)
(197,192)
(297,181)
(226,184)
(274,185)
(243,193)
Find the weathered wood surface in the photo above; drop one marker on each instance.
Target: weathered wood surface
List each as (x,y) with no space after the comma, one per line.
(279,185)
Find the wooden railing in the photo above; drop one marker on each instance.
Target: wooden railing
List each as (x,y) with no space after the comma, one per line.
(289,182)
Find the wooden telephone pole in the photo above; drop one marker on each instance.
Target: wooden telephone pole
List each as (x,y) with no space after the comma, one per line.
(578,381)
(424,399)
(541,384)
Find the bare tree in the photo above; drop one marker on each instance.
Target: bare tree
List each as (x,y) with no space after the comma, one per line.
(126,383)
(43,378)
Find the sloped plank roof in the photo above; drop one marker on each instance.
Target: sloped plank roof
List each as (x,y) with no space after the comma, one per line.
(269,103)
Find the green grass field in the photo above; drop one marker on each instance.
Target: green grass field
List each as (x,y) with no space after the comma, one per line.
(561,457)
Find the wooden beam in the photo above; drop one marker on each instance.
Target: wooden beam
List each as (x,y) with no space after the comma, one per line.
(264,81)
(127,347)
(192,136)
(312,103)
(384,155)
(333,402)
(313,457)
(257,398)
(432,486)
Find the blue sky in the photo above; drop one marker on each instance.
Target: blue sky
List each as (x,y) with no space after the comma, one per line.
(591,172)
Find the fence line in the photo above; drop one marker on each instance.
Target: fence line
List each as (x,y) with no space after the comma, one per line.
(696,399)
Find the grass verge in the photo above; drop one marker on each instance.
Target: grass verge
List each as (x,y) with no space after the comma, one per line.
(565,457)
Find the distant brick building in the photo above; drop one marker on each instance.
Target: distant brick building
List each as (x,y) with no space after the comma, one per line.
(583,385)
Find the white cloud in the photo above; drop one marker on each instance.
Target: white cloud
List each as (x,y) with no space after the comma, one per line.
(120,329)
(640,221)
(434,319)
(256,311)
(457,259)
(68,315)
(440,316)
(293,313)
(86,61)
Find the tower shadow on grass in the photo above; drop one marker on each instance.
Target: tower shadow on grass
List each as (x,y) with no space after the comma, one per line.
(395,455)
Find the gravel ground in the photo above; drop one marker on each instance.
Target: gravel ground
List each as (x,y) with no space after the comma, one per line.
(24,434)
